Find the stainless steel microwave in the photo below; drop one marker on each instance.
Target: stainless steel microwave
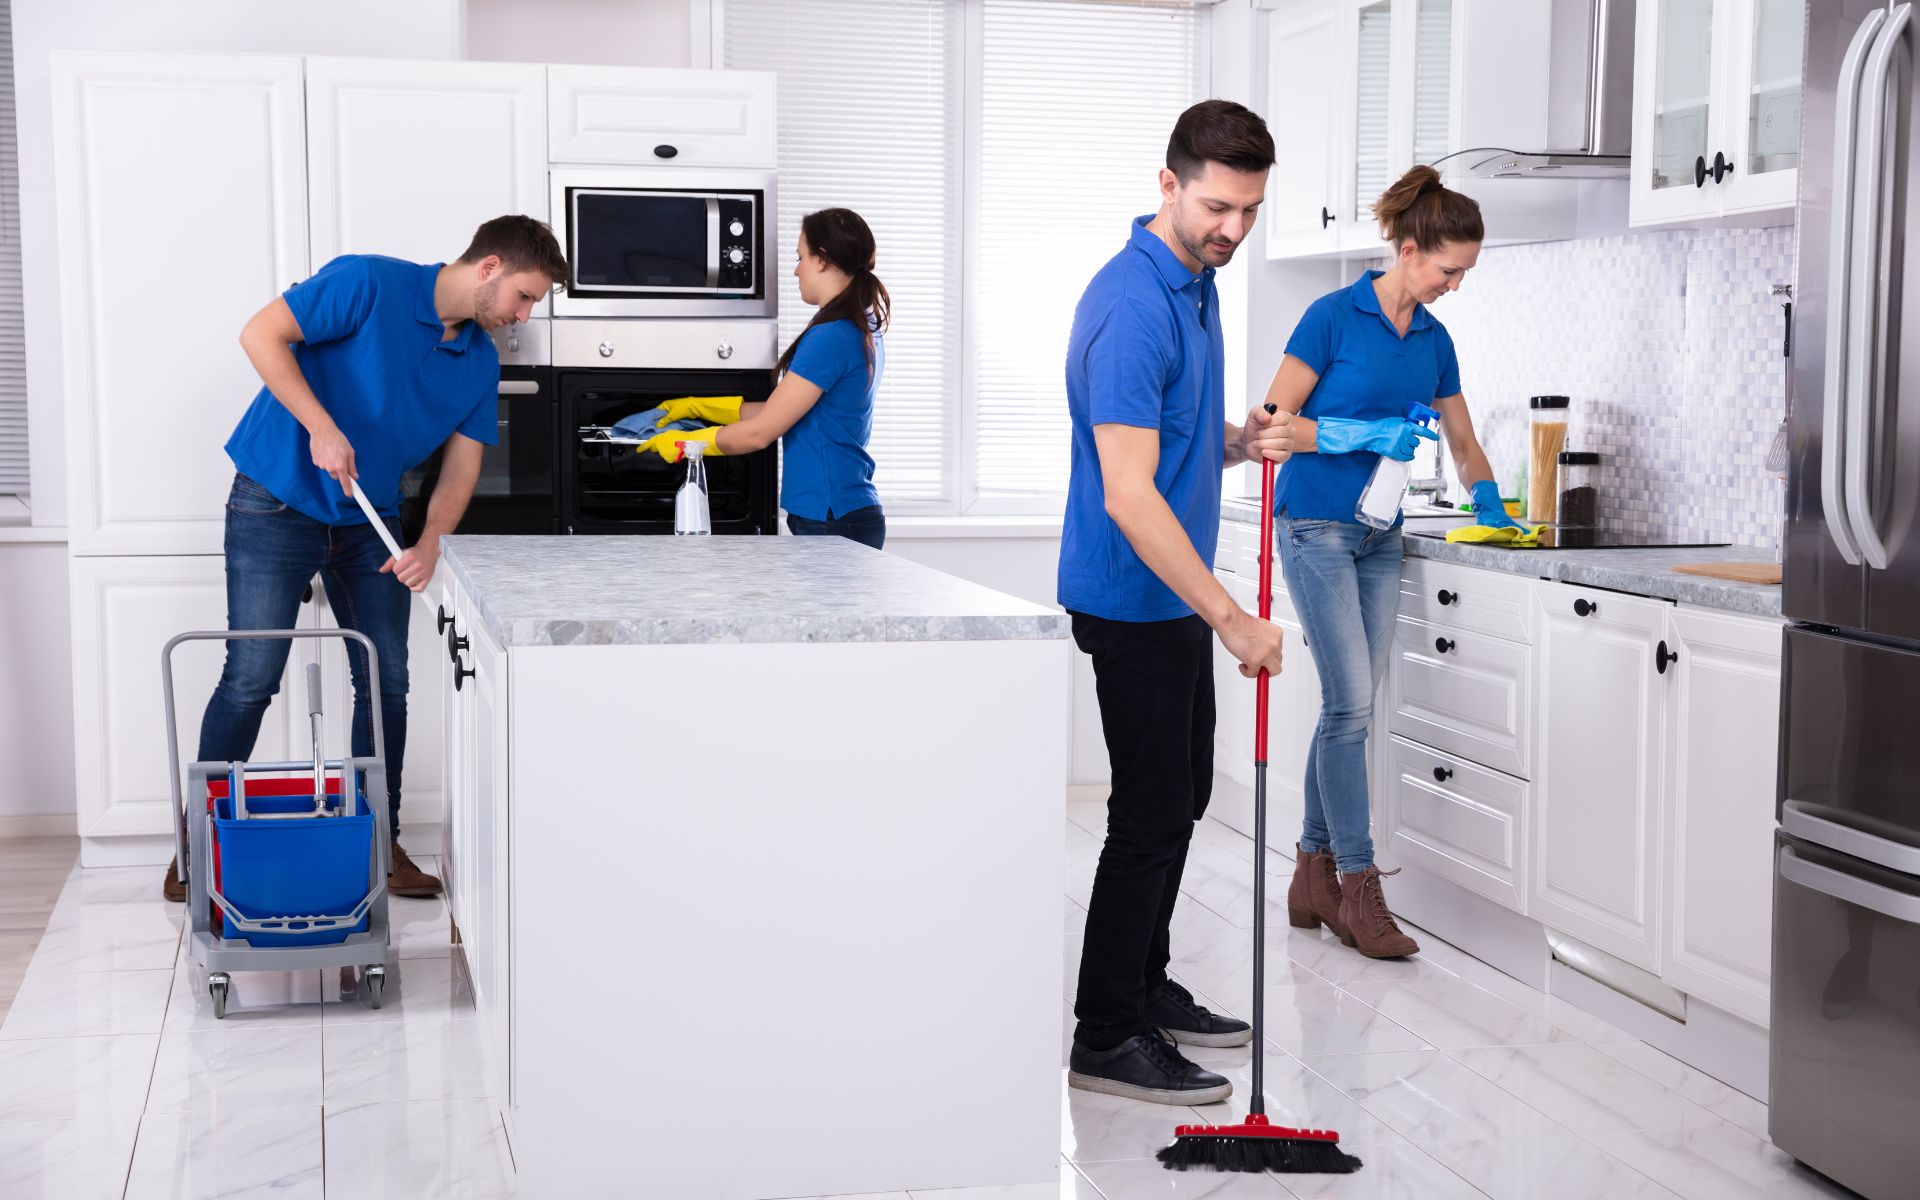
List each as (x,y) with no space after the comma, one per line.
(652,242)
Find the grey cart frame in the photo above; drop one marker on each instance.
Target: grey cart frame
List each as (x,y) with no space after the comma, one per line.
(362,955)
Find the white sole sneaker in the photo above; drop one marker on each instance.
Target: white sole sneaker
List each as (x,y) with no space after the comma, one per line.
(1134,1091)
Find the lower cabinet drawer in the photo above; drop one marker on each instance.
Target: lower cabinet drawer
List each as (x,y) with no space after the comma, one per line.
(1462,822)
(1462,692)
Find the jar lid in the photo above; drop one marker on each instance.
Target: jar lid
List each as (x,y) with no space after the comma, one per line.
(1580,458)
(1548,402)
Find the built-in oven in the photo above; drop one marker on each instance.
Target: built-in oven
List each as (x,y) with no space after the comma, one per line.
(682,242)
(608,371)
(517,490)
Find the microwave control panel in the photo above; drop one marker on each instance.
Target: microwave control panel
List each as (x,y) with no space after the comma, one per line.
(739,230)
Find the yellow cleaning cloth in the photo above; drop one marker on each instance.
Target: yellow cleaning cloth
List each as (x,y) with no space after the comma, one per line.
(1486,535)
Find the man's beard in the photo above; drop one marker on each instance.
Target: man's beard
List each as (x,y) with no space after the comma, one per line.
(484,296)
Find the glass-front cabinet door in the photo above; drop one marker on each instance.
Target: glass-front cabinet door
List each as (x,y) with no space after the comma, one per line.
(1674,108)
(1763,118)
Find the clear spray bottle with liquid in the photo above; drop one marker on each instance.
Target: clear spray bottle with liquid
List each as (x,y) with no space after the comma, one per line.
(690,514)
(1386,491)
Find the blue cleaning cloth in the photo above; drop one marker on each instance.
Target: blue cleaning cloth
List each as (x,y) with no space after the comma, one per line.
(646,424)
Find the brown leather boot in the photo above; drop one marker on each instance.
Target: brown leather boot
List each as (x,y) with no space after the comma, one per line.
(1314,895)
(1370,927)
(406,879)
(173,887)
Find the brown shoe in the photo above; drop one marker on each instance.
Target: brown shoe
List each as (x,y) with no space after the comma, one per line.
(1313,898)
(406,879)
(174,888)
(1370,927)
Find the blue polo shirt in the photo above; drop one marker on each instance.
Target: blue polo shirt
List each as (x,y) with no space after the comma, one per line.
(824,464)
(1145,351)
(372,353)
(1368,372)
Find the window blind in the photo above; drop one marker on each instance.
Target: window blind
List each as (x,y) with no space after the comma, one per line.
(13,355)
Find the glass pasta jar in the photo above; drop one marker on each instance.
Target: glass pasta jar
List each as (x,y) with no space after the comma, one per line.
(1548,437)
(1579,497)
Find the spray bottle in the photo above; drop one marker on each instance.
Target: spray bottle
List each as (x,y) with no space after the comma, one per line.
(690,514)
(1381,499)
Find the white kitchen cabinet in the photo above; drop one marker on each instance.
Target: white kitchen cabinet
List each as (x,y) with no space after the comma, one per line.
(124,611)
(660,117)
(408,158)
(1457,819)
(1597,769)
(1716,109)
(1723,717)
(198,161)
(1463,692)
(1293,711)
(1307,83)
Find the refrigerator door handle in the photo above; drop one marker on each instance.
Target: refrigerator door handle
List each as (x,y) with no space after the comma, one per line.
(1797,819)
(1862,356)
(1851,889)
(1839,293)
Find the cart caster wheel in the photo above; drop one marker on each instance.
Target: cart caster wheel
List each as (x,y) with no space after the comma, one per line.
(217,988)
(376,986)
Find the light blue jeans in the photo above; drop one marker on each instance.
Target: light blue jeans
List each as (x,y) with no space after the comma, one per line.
(1344,579)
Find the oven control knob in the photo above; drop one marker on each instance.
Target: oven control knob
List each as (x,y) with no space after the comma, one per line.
(513,345)
(736,256)
(724,349)
(606,349)
(736,228)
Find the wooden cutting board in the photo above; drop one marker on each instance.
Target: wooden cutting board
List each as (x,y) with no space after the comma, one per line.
(1743,572)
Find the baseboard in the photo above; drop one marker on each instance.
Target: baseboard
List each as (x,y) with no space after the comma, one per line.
(37,825)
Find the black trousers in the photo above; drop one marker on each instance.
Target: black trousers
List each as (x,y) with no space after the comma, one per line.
(1154,680)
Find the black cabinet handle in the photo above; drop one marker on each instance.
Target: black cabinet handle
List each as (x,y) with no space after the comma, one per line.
(461,672)
(1585,608)
(665,151)
(1442,645)
(455,644)
(1663,657)
(1721,167)
(1326,218)
(443,620)
(1700,171)
(1446,597)
(1442,774)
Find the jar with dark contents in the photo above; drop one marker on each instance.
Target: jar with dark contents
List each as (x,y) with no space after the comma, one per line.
(1579,491)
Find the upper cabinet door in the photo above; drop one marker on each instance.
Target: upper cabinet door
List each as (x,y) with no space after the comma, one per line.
(1674,110)
(1762,119)
(661,117)
(154,291)
(408,158)
(1304,69)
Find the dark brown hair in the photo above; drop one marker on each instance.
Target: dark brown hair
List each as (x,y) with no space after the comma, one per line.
(1218,131)
(522,243)
(841,237)
(1420,207)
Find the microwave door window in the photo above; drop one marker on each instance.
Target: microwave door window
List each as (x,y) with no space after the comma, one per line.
(633,242)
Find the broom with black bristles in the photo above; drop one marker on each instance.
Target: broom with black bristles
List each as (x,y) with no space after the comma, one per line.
(1256,1144)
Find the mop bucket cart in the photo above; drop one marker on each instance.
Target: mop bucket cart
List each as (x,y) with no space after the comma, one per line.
(284,871)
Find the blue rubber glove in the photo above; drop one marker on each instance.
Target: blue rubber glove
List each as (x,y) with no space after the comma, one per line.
(1489,509)
(1394,438)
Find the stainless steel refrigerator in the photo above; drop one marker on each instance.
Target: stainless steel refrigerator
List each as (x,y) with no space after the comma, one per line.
(1845,1033)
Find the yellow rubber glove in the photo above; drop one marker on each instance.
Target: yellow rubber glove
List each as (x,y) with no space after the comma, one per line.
(714,410)
(667,445)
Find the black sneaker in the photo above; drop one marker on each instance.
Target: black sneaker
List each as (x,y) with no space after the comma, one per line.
(1187,1021)
(1147,1067)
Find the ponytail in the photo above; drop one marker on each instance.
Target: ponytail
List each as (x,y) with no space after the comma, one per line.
(1420,207)
(842,238)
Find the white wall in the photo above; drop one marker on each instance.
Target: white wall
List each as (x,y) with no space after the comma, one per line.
(617,33)
(36,683)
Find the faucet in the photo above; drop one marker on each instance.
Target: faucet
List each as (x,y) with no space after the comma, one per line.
(1434,488)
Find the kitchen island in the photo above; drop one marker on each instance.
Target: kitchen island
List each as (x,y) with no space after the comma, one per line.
(751,845)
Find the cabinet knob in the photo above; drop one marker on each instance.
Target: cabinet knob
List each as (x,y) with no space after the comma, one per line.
(1442,774)
(1721,167)
(443,620)
(1442,645)
(455,643)
(1663,657)
(724,349)
(461,673)
(1700,171)
(1585,608)
(1446,597)
(666,151)
(1326,218)
(606,349)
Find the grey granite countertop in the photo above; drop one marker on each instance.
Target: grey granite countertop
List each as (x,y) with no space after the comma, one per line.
(1638,572)
(620,590)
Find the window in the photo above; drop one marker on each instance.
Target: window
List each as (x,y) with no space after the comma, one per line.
(13,354)
(998,148)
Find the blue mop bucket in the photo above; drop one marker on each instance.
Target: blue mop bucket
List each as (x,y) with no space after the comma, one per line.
(319,866)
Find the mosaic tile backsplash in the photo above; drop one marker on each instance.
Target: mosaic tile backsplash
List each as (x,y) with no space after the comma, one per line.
(1669,345)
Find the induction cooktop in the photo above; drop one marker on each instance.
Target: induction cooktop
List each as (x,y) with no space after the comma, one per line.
(1593,537)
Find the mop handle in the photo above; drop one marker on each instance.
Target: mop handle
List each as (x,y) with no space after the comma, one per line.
(380,527)
(1258,1104)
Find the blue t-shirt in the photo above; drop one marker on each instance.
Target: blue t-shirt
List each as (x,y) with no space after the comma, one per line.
(372,353)
(1368,372)
(1145,351)
(824,456)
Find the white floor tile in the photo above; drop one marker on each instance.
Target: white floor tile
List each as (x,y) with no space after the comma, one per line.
(1330,958)
(1146,1179)
(99,1004)
(1427,1097)
(403,1060)
(1719,1164)
(1317,1018)
(237,1152)
(255,999)
(1722,1100)
(1562,1166)
(1072,1186)
(129,936)
(1394,1170)
(66,1160)
(860,1196)
(448,1149)
(111,885)
(419,928)
(1584,1090)
(1213,955)
(1096,1127)
(1454,1014)
(418,989)
(242,1067)
(75,1078)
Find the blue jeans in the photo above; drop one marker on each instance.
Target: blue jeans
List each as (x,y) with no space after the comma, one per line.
(868,526)
(1345,582)
(273,553)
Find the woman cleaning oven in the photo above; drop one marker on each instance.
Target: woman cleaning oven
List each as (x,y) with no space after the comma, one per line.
(823,403)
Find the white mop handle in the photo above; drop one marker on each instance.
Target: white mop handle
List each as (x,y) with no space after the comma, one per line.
(380,527)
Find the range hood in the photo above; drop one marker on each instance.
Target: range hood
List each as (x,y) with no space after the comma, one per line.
(1589,102)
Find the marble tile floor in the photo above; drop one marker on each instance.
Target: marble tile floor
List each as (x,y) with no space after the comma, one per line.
(1449,1079)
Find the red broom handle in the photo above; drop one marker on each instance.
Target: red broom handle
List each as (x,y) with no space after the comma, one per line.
(1266,603)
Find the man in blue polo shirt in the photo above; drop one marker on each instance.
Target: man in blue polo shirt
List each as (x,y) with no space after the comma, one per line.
(370,366)
(1146,391)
